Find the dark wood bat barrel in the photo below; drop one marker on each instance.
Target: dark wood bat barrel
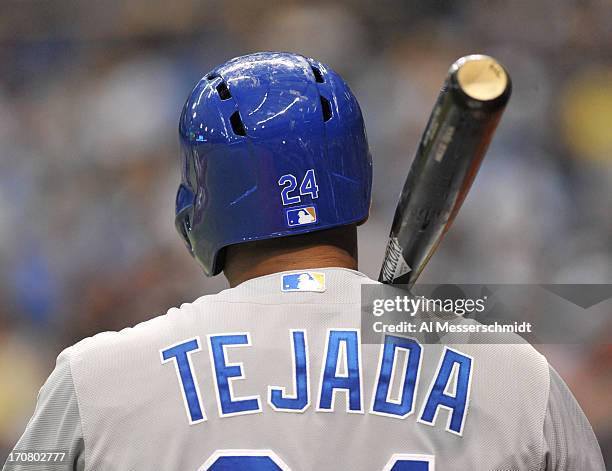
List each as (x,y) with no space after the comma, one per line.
(448,157)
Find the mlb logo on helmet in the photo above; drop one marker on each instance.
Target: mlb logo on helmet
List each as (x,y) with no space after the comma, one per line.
(304,281)
(301,216)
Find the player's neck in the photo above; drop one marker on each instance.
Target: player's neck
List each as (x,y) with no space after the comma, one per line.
(333,248)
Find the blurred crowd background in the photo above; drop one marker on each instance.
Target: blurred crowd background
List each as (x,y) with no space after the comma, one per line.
(90,94)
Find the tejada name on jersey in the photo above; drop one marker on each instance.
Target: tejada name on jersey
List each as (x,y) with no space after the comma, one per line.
(340,371)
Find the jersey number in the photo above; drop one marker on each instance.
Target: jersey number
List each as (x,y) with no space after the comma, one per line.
(266,460)
(307,187)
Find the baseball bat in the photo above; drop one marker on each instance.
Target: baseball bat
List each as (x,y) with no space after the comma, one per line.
(447,159)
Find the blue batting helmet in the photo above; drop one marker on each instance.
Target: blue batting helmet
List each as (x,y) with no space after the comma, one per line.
(272,145)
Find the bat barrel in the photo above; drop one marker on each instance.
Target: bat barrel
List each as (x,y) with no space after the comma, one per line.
(449,154)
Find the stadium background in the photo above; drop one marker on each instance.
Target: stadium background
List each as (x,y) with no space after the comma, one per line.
(90,94)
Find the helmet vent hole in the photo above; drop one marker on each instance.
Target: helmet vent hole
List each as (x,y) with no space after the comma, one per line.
(237,124)
(211,76)
(326,107)
(223,91)
(317,74)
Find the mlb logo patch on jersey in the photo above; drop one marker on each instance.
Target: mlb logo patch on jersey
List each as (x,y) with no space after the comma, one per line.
(304,281)
(301,216)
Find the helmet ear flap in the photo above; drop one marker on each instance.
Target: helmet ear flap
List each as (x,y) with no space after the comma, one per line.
(184,214)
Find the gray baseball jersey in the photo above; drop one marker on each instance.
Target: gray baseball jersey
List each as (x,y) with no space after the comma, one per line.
(271,375)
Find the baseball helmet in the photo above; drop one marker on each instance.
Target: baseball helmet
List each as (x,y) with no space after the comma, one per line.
(272,145)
